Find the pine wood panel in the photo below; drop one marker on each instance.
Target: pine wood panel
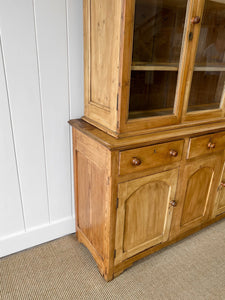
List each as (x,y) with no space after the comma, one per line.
(144,219)
(102,26)
(196,198)
(144,213)
(220,198)
(198,183)
(95,200)
(150,157)
(91,207)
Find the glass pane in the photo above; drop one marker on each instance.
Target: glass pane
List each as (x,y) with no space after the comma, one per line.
(209,72)
(207,88)
(158,31)
(147,87)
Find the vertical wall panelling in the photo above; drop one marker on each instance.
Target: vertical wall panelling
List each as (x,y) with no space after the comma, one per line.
(18,44)
(75,54)
(41,88)
(75,62)
(11,220)
(51,36)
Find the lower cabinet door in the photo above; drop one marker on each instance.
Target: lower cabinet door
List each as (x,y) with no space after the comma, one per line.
(144,213)
(199,185)
(220,199)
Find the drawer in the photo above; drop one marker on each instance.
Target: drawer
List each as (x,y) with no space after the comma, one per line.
(140,159)
(206,144)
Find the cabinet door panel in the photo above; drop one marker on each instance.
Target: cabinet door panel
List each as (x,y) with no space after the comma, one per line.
(197,191)
(144,213)
(220,200)
(197,194)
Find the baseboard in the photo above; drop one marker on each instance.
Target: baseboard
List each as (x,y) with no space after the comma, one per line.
(36,236)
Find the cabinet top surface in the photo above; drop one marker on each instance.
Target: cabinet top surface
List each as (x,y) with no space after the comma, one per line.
(113,143)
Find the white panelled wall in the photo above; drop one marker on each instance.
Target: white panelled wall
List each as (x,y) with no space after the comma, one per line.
(41,88)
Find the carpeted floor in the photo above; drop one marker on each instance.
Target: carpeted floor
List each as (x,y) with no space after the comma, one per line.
(63,269)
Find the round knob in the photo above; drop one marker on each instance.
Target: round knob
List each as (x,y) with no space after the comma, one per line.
(195,20)
(173,203)
(136,161)
(222,184)
(211,145)
(173,153)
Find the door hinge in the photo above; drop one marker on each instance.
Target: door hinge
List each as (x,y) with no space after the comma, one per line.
(117,202)
(115,253)
(117,102)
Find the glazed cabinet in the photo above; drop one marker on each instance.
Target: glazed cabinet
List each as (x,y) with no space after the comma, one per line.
(149,152)
(158,64)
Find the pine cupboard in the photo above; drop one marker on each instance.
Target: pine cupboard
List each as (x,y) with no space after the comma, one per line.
(149,153)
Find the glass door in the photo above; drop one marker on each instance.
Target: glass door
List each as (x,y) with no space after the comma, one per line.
(157,43)
(206,94)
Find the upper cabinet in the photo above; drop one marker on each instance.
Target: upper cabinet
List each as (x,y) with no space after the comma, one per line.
(153,64)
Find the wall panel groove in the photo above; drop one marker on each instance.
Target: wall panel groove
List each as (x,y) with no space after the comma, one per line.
(69,105)
(41,108)
(17,220)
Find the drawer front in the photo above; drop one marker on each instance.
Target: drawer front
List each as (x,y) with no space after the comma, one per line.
(140,159)
(206,144)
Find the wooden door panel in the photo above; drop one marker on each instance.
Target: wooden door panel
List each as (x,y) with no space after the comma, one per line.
(198,190)
(144,213)
(197,194)
(220,200)
(149,203)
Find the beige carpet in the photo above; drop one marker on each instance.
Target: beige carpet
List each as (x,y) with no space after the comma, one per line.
(63,269)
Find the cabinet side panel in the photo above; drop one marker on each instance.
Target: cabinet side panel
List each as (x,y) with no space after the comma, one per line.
(102,26)
(93,196)
(91,204)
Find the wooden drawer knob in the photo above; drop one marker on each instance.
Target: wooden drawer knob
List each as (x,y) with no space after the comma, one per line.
(173,153)
(173,203)
(195,20)
(135,161)
(211,145)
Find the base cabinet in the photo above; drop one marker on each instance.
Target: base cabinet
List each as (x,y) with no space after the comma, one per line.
(134,199)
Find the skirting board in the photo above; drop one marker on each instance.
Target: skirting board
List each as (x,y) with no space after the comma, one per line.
(36,236)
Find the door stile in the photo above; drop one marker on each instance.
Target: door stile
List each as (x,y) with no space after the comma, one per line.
(191,50)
